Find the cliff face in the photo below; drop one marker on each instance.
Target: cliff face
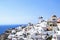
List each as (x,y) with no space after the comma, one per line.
(5,35)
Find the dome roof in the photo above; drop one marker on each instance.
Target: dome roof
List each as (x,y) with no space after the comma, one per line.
(40,17)
(54,16)
(58,20)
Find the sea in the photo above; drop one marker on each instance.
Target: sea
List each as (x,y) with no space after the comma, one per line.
(3,28)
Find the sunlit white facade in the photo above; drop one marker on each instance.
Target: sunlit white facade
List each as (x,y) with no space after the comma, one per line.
(39,31)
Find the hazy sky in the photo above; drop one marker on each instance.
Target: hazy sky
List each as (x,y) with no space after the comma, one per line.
(24,11)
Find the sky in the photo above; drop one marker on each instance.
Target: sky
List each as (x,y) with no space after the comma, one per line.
(24,11)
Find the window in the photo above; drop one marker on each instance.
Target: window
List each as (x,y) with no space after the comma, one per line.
(54,24)
(54,19)
(50,24)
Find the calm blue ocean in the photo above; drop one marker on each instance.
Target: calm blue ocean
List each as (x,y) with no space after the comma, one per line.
(3,28)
